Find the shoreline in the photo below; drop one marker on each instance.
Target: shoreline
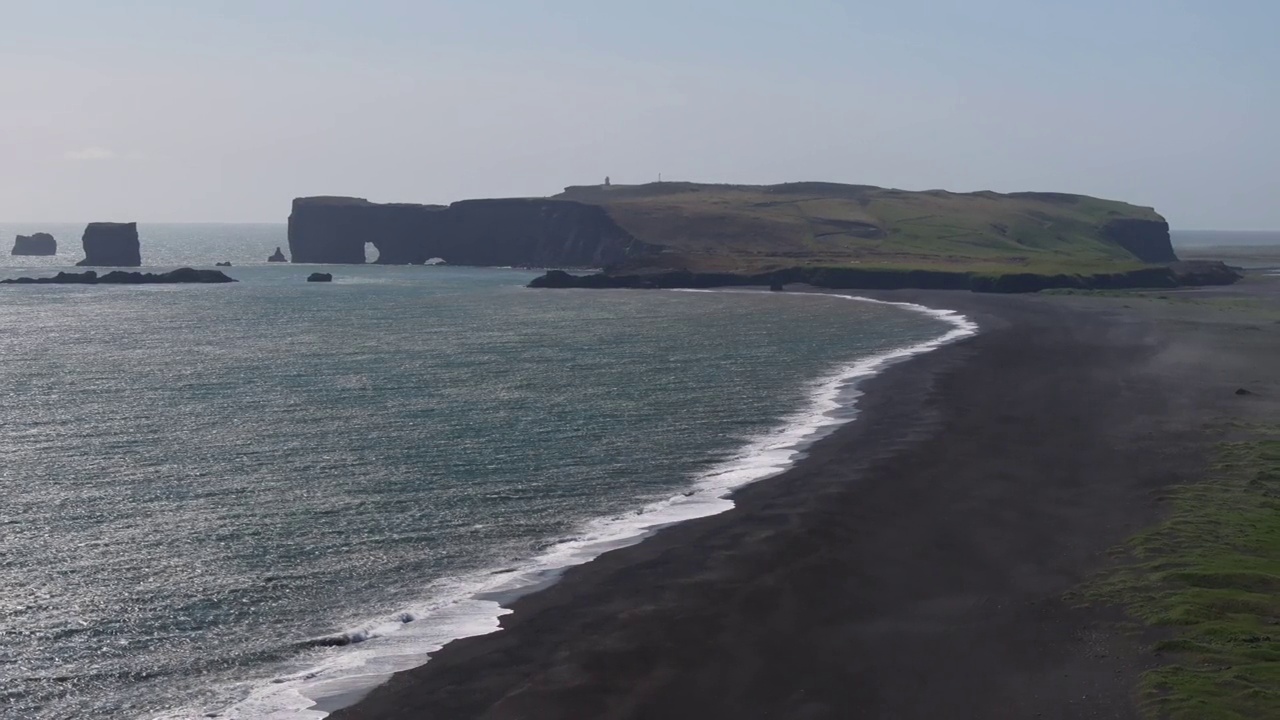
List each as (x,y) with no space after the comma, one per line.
(912,565)
(832,402)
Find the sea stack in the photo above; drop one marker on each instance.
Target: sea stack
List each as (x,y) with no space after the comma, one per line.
(111,245)
(320,277)
(37,244)
(277,256)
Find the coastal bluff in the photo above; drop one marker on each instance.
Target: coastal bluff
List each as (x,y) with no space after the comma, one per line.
(744,230)
(37,244)
(505,232)
(109,244)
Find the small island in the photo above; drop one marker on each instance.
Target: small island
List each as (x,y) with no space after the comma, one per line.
(38,244)
(277,256)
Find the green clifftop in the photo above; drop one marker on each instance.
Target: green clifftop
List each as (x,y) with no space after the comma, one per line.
(752,229)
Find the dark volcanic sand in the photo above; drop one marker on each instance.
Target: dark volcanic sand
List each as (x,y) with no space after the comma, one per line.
(914,566)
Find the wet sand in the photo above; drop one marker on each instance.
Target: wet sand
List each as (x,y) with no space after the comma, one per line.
(915,564)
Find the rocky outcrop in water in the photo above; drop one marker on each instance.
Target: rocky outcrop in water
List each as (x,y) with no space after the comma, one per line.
(121,277)
(37,244)
(111,245)
(222,264)
(320,277)
(277,256)
(535,232)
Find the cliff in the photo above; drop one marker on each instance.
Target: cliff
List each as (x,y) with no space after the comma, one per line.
(1147,240)
(111,245)
(516,232)
(37,244)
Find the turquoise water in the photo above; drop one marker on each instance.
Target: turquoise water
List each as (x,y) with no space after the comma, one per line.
(240,499)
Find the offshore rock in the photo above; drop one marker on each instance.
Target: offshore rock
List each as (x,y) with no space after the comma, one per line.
(277,256)
(121,277)
(111,245)
(320,277)
(222,264)
(37,244)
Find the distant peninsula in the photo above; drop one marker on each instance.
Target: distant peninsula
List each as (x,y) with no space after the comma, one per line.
(825,233)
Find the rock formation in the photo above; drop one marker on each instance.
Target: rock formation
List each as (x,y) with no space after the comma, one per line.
(37,244)
(1148,240)
(320,277)
(222,264)
(277,256)
(514,232)
(121,277)
(111,245)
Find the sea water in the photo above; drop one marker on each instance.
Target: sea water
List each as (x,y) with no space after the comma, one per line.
(257,500)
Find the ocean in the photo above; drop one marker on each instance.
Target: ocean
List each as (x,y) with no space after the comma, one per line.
(257,500)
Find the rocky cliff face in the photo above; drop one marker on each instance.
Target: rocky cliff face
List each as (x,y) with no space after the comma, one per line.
(529,232)
(38,244)
(111,245)
(1147,240)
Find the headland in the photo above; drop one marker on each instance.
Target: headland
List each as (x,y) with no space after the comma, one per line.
(826,234)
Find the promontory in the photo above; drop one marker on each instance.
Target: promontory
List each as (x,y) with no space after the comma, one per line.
(674,234)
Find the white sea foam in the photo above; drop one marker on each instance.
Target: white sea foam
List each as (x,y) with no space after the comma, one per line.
(465,607)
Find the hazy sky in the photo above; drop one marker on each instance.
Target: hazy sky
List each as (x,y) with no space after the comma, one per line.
(223,110)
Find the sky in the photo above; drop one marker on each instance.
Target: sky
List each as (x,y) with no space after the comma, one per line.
(225,110)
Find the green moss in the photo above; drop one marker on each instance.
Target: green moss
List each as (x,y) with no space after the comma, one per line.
(1210,575)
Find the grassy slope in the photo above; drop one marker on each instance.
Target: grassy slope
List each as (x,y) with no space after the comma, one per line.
(755,228)
(1210,575)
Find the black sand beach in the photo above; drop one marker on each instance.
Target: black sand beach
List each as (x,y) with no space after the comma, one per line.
(915,564)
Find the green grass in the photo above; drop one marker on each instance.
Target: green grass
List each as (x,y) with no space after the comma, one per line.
(750,229)
(1209,577)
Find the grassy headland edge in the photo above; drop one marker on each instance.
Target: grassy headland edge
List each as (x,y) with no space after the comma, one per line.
(1207,580)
